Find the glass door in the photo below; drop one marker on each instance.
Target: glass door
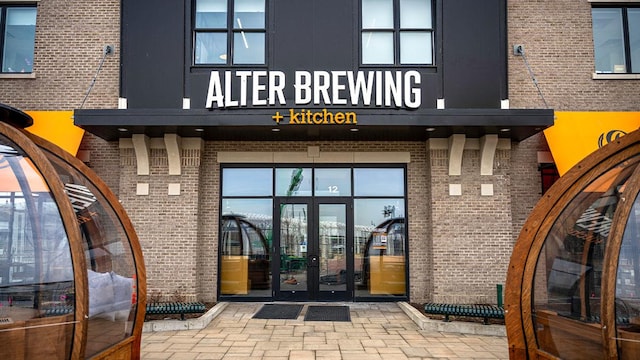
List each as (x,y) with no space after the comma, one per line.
(314,248)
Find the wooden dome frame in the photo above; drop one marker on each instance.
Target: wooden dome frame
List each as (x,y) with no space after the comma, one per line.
(519,290)
(22,339)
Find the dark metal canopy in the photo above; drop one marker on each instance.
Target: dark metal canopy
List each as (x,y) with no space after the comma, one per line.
(372,124)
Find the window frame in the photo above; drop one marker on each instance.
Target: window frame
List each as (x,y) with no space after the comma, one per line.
(626,45)
(4,6)
(396,32)
(230,31)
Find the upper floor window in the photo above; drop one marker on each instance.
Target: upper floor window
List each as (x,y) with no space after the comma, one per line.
(18,27)
(397,32)
(229,32)
(616,38)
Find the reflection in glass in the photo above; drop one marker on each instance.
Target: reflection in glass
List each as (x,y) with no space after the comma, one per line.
(332,182)
(415,47)
(247,182)
(249,14)
(608,40)
(111,268)
(211,48)
(36,273)
(415,14)
(633,16)
(293,247)
(332,240)
(378,182)
(377,14)
(379,251)
(211,14)
(248,48)
(19,39)
(627,304)
(293,182)
(246,237)
(568,274)
(377,47)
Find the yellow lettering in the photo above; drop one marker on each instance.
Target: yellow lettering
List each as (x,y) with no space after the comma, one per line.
(352,118)
(339,118)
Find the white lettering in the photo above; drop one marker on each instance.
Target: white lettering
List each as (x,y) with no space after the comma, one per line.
(228,99)
(360,86)
(303,87)
(321,80)
(337,87)
(214,94)
(243,86)
(392,88)
(276,87)
(412,91)
(257,87)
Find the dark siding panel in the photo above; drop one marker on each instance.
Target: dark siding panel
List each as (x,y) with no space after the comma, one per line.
(153,53)
(473,53)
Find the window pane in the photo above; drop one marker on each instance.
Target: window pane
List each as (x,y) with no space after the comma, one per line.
(293,182)
(377,48)
(244,244)
(247,182)
(333,182)
(379,249)
(248,48)
(377,14)
(634,38)
(415,47)
(211,14)
(415,14)
(608,40)
(378,182)
(19,39)
(211,48)
(248,14)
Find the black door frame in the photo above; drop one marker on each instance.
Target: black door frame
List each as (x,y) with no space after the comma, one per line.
(313,291)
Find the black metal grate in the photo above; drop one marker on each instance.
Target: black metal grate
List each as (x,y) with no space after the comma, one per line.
(278,311)
(327,313)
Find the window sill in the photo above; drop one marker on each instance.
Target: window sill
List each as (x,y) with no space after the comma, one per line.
(597,76)
(18,76)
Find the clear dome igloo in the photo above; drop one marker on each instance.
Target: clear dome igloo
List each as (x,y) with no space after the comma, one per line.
(573,285)
(72,279)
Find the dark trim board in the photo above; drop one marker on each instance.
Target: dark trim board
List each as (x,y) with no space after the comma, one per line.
(372,124)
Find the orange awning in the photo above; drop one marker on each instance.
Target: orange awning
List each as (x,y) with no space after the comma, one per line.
(575,135)
(58,128)
(9,178)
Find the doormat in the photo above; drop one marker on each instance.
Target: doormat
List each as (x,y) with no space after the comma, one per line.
(327,313)
(278,311)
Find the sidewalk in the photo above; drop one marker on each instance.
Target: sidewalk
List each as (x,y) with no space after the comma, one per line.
(376,331)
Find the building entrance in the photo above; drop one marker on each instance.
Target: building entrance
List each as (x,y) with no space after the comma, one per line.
(314,240)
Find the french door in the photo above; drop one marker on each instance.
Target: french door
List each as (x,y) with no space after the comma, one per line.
(314,240)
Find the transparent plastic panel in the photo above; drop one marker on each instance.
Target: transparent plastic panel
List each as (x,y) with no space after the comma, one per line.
(37,291)
(111,268)
(568,277)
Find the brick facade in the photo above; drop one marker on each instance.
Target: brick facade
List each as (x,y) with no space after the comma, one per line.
(459,245)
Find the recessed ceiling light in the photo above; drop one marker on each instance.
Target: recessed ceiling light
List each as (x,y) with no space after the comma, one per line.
(431,129)
(122,130)
(354,129)
(275,130)
(505,129)
(199,129)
